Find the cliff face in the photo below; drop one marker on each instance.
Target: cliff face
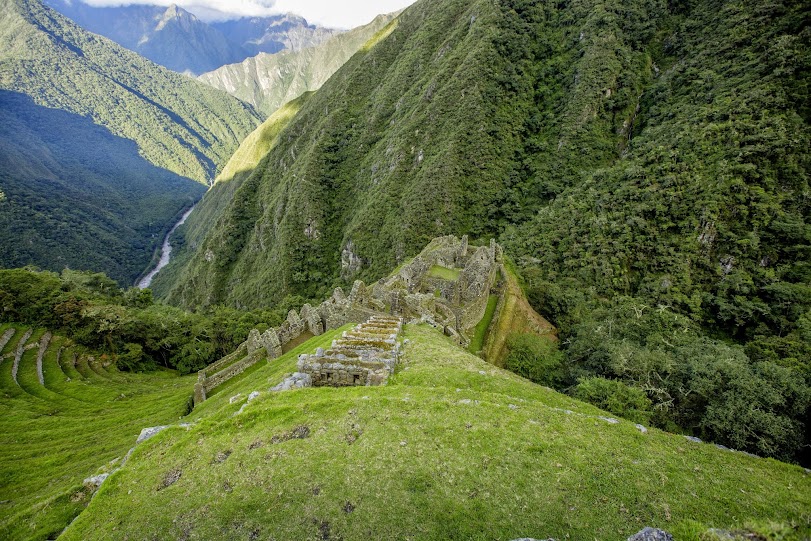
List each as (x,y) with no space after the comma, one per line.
(268,81)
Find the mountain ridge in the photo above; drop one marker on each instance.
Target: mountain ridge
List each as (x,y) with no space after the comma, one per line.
(175,38)
(268,81)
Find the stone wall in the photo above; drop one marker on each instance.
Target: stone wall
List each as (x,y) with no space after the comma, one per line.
(409,293)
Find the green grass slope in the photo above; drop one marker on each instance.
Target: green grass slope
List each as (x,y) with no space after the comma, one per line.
(452,448)
(267,81)
(179,124)
(77,422)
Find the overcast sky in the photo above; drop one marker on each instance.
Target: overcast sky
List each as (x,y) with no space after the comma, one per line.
(332,13)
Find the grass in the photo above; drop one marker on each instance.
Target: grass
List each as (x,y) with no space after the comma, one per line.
(481,328)
(55,435)
(452,448)
(444,273)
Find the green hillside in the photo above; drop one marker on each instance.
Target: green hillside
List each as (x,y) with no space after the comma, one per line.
(643,163)
(77,421)
(451,448)
(267,81)
(78,196)
(178,124)
(240,167)
(98,146)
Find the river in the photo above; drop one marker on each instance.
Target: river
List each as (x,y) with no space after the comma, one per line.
(166,253)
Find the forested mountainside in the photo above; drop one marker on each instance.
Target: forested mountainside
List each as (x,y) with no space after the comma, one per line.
(179,124)
(644,163)
(268,81)
(77,196)
(99,146)
(178,40)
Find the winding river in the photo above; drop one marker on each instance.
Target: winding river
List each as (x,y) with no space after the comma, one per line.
(166,253)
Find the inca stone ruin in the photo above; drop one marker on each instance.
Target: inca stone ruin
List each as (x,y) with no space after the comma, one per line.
(446,285)
(366,355)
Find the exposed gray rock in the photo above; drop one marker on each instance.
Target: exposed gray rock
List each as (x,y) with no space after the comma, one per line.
(147,433)
(651,534)
(609,420)
(693,439)
(235,398)
(641,428)
(296,381)
(253,395)
(96,480)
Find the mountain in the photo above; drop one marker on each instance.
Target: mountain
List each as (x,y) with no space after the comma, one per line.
(274,33)
(77,196)
(178,40)
(474,119)
(178,124)
(267,81)
(644,165)
(100,147)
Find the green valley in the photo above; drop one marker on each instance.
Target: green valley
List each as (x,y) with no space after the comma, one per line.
(99,147)
(516,269)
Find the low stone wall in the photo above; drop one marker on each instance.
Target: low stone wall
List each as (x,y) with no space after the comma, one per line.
(233,370)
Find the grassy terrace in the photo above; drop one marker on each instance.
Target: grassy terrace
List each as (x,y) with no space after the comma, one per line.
(53,436)
(438,271)
(477,342)
(452,448)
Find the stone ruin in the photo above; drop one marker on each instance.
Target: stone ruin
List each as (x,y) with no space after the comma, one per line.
(446,285)
(366,355)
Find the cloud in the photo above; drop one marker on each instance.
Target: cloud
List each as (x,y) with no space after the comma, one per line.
(332,13)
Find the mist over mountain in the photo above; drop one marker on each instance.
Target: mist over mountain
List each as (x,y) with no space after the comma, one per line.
(175,38)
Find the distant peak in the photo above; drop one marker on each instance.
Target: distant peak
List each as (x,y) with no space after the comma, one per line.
(176,13)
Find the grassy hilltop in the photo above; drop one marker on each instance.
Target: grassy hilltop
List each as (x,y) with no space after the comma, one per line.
(452,448)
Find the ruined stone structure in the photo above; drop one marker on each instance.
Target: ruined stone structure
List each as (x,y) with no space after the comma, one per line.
(366,355)
(447,285)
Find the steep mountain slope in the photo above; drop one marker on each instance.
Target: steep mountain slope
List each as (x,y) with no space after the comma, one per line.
(471,117)
(78,196)
(82,120)
(241,165)
(450,448)
(178,124)
(267,81)
(178,40)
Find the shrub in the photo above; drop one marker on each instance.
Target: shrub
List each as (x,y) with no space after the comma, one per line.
(536,358)
(611,395)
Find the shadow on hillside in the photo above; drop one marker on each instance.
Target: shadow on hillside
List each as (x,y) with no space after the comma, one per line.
(78,196)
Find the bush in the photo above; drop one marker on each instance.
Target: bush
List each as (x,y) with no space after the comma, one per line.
(536,358)
(611,395)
